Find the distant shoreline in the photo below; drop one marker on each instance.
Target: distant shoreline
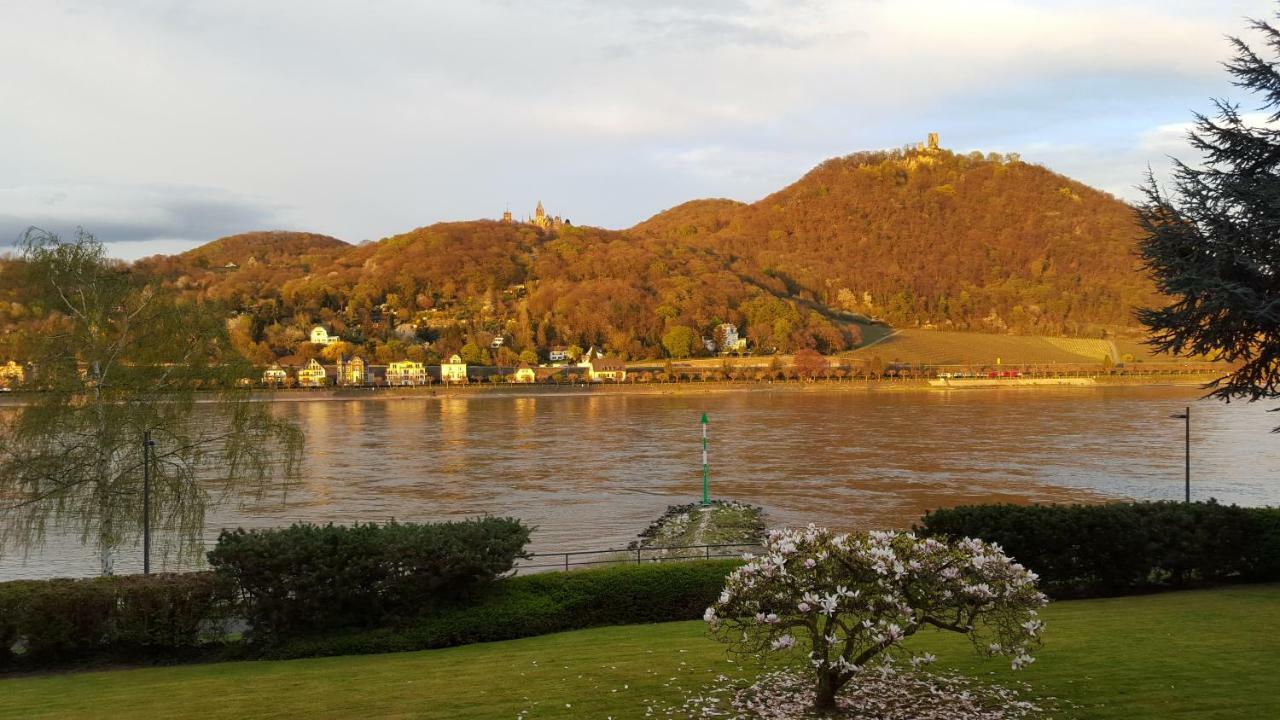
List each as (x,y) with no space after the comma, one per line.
(698,387)
(720,386)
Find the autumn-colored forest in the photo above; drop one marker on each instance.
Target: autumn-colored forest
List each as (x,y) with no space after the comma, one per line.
(909,238)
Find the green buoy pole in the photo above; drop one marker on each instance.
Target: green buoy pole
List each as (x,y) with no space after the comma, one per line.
(706,485)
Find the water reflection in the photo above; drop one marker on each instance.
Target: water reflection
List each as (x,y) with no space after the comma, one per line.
(591,470)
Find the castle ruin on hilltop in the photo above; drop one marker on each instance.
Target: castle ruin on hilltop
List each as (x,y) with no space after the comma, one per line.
(931,146)
(540,218)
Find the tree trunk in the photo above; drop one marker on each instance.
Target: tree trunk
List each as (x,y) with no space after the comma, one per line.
(108,558)
(824,701)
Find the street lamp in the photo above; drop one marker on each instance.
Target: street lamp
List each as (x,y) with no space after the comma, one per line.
(1187,417)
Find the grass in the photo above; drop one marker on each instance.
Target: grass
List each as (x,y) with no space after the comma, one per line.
(1203,654)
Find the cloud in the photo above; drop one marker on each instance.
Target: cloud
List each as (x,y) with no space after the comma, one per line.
(363,120)
(128,218)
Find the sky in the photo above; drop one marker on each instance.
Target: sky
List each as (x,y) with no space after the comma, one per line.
(159,125)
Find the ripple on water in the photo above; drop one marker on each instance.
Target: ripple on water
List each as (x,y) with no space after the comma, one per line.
(593,470)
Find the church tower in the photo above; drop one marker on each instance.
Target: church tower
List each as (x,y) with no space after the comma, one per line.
(540,217)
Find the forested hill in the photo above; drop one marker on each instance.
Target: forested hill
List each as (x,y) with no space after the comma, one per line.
(911,238)
(967,242)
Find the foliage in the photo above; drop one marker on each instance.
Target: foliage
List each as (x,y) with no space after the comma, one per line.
(1010,247)
(809,364)
(66,620)
(1123,548)
(307,576)
(535,605)
(1212,245)
(116,357)
(681,342)
(854,598)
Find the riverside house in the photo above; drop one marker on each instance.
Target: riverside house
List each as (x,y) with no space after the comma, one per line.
(12,374)
(524,374)
(454,371)
(602,369)
(274,375)
(313,374)
(352,372)
(406,372)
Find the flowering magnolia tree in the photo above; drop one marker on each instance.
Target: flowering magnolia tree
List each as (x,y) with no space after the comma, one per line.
(851,599)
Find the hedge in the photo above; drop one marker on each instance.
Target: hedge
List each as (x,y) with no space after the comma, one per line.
(44,621)
(308,577)
(1124,548)
(530,605)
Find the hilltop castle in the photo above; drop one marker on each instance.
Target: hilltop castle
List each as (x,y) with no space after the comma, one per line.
(932,145)
(540,218)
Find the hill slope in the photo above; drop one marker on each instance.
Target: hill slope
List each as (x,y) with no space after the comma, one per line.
(917,239)
(925,238)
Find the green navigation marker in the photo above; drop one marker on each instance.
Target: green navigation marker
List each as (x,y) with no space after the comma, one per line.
(706,487)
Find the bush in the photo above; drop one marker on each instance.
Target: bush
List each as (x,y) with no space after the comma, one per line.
(307,577)
(538,604)
(1123,548)
(66,620)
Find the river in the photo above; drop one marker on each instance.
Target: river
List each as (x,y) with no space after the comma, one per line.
(591,470)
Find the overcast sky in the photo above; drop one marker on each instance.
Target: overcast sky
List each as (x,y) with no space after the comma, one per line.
(161,125)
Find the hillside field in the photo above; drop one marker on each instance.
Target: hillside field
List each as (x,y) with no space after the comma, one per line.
(941,347)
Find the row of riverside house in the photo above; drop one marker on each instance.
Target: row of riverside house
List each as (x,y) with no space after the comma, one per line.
(355,372)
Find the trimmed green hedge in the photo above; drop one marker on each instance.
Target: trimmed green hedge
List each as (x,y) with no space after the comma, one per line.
(43,621)
(60,622)
(1124,548)
(530,605)
(308,577)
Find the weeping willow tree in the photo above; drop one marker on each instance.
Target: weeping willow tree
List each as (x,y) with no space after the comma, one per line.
(116,357)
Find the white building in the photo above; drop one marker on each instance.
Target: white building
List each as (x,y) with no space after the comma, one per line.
(321,336)
(454,371)
(406,372)
(274,375)
(728,338)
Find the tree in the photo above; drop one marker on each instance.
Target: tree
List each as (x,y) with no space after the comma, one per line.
(809,363)
(117,358)
(1212,244)
(472,354)
(333,352)
(680,341)
(855,597)
(529,357)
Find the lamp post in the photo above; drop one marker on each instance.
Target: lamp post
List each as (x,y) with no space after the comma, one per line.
(1186,415)
(147,443)
(706,486)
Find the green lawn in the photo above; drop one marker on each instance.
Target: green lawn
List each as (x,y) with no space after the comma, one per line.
(1206,654)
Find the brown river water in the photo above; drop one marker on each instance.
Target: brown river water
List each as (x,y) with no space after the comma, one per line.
(590,470)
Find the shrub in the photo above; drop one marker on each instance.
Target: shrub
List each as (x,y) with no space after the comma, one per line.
(65,620)
(1119,548)
(538,604)
(307,577)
